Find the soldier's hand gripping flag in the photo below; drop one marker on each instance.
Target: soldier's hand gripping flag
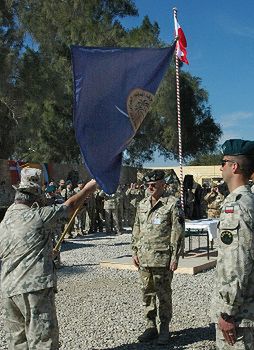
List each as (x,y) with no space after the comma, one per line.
(113,91)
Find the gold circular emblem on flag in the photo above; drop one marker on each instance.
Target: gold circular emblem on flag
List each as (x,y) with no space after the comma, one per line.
(138,104)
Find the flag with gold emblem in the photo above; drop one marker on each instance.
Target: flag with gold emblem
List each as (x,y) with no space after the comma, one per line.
(113,91)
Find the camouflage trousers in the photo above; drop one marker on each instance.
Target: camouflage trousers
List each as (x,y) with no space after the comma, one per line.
(31,322)
(156,282)
(245,339)
(80,221)
(111,220)
(132,215)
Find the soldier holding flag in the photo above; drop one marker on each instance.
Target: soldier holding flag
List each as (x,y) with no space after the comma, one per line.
(28,276)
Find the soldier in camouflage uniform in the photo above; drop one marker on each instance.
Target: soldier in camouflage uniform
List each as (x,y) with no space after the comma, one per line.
(99,211)
(233,302)
(214,201)
(56,229)
(135,195)
(80,219)
(91,217)
(27,273)
(157,242)
(111,212)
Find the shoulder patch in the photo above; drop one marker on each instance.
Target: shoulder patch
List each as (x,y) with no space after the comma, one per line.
(226,237)
(229,210)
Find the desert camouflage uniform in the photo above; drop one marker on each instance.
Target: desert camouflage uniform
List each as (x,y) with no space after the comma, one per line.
(80,219)
(56,229)
(66,193)
(157,240)
(91,217)
(214,202)
(135,195)
(99,211)
(121,195)
(28,278)
(234,291)
(111,212)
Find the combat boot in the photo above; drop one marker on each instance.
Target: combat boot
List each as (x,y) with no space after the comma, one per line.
(149,334)
(164,335)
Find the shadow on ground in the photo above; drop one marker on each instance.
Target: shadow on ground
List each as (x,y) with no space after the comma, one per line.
(179,340)
(69,245)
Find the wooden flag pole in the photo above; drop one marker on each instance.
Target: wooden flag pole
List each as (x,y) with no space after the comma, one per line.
(67,228)
(179,122)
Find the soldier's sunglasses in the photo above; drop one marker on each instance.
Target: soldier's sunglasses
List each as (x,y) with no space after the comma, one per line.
(224,161)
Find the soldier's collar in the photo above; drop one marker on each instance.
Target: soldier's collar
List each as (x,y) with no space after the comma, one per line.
(239,190)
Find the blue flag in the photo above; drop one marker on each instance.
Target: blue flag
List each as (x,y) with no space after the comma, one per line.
(113,91)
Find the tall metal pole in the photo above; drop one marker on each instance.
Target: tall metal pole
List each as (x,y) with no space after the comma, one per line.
(179,122)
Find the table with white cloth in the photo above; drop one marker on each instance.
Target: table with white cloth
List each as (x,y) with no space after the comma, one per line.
(199,228)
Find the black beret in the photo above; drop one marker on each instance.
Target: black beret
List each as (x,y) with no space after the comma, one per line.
(68,182)
(155,175)
(236,147)
(81,182)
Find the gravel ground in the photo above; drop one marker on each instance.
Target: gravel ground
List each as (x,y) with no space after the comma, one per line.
(101,308)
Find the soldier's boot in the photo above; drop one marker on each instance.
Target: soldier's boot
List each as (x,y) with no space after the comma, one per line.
(164,335)
(149,334)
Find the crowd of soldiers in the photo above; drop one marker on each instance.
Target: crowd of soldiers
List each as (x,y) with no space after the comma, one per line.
(111,213)
(100,211)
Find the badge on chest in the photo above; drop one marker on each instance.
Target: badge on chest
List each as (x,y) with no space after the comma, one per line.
(156,221)
(226,237)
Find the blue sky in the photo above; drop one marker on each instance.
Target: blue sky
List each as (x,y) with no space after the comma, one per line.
(220,37)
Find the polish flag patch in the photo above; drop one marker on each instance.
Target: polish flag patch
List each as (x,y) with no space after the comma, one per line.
(229,210)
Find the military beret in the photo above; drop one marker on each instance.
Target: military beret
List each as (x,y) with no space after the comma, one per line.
(68,182)
(237,147)
(155,175)
(81,181)
(50,189)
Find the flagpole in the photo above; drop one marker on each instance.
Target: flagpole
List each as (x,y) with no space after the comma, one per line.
(179,122)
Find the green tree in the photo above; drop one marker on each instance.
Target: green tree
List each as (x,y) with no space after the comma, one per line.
(207,159)
(11,42)
(39,81)
(160,130)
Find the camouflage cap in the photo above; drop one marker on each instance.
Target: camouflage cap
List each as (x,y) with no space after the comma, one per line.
(236,147)
(155,175)
(30,180)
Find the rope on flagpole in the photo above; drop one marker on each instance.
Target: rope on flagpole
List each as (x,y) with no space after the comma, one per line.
(179,123)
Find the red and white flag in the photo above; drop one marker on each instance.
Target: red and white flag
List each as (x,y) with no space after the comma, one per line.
(181,42)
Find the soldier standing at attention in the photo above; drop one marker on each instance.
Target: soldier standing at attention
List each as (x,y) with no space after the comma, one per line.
(80,219)
(111,212)
(135,195)
(157,242)
(233,302)
(27,275)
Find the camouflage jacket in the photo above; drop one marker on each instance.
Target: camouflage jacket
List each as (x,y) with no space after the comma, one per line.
(110,200)
(26,248)
(234,290)
(214,200)
(158,232)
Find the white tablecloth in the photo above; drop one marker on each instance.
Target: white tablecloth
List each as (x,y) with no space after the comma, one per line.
(209,225)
